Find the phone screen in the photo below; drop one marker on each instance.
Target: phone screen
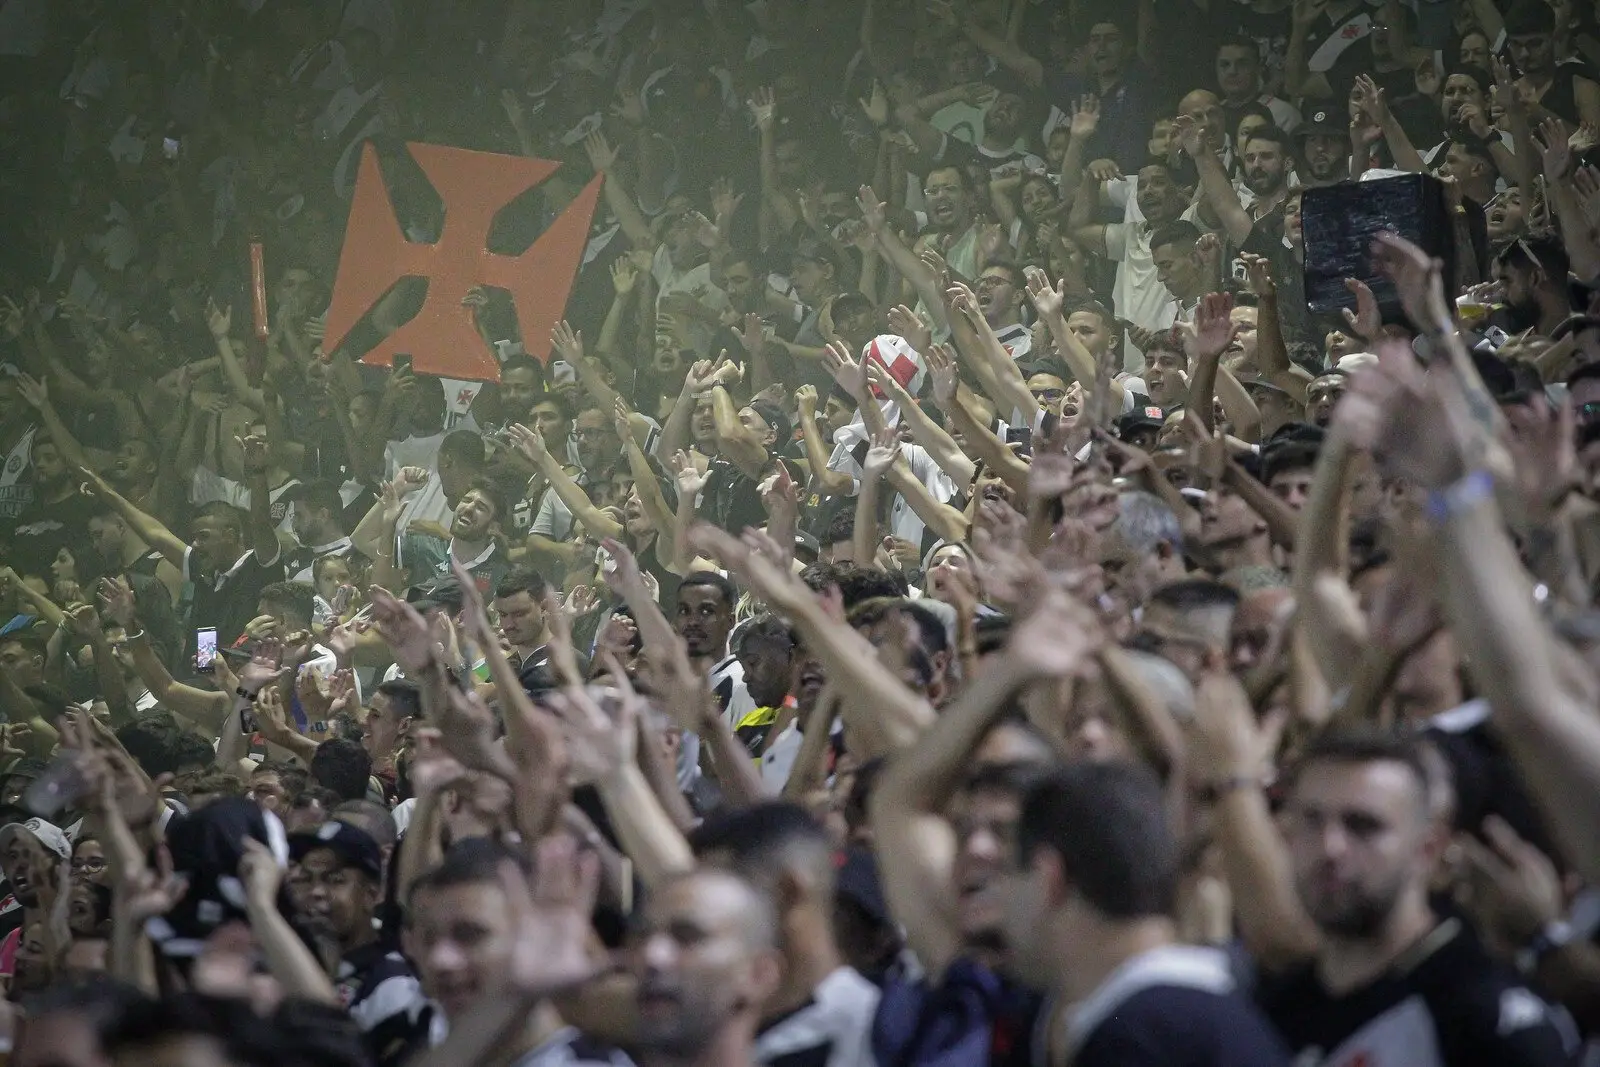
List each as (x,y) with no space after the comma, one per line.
(205,649)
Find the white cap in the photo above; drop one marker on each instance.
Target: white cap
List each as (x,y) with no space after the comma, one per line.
(47,834)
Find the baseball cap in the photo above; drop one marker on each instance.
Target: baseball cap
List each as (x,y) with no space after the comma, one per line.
(1148,417)
(318,492)
(774,417)
(354,846)
(47,834)
(1252,379)
(1323,121)
(442,592)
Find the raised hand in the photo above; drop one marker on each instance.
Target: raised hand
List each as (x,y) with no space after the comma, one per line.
(942,373)
(882,455)
(1366,320)
(1058,638)
(1555,150)
(876,106)
(1188,133)
(35,391)
(691,479)
(218,320)
(763,108)
(847,371)
(1086,116)
(1047,299)
(530,443)
(1259,274)
(624,276)
(256,456)
(1418,277)
(1213,329)
(724,201)
(568,344)
(874,213)
(1370,98)
(260,874)
(549,950)
(699,378)
(602,157)
(407,633)
(904,323)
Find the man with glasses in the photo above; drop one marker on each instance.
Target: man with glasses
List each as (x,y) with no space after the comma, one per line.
(598,452)
(1000,290)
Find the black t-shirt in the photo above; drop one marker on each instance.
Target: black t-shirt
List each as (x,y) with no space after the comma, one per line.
(1174,1007)
(43,528)
(1561,98)
(1445,1002)
(733,498)
(1266,240)
(228,600)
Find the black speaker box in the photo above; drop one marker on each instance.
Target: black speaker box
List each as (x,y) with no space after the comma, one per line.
(1339,222)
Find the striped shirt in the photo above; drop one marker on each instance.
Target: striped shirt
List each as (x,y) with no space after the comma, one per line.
(832,1029)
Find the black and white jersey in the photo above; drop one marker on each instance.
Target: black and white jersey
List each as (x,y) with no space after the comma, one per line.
(832,1029)
(384,998)
(1175,1006)
(1445,1003)
(569,1048)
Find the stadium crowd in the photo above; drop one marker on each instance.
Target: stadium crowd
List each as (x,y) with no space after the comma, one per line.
(953,590)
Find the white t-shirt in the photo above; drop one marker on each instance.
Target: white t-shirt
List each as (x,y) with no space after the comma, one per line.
(208,486)
(1138,296)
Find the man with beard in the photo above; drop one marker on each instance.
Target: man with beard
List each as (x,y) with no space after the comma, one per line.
(124,553)
(34,857)
(598,452)
(1117,78)
(1264,168)
(1391,982)
(1533,274)
(337,888)
(475,540)
(1139,297)
(1324,151)
(519,606)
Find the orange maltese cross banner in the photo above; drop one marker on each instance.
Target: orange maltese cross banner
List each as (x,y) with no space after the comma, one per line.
(441,338)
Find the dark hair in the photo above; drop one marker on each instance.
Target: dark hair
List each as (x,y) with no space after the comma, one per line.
(841,529)
(320,494)
(156,742)
(1239,40)
(1480,77)
(1253,109)
(559,402)
(490,490)
(1177,232)
(404,693)
(472,861)
(343,767)
(1273,134)
(851,304)
(1108,824)
(292,777)
(228,515)
(1355,746)
(296,598)
(712,580)
(522,579)
(1530,17)
(856,584)
(463,446)
(773,416)
(750,835)
(764,628)
(1011,269)
(372,817)
(1195,594)
(1545,251)
(1286,456)
(518,361)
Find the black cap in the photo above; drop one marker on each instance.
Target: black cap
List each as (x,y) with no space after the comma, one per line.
(1324,121)
(354,846)
(774,416)
(442,592)
(318,492)
(1148,417)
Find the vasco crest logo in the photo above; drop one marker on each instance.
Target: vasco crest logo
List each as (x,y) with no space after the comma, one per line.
(441,338)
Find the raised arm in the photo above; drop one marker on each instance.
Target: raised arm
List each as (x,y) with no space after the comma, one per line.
(603,158)
(597,522)
(1236,221)
(828,482)
(149,529)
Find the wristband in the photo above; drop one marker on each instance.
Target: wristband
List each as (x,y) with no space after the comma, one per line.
(1458,499)
(241,691)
